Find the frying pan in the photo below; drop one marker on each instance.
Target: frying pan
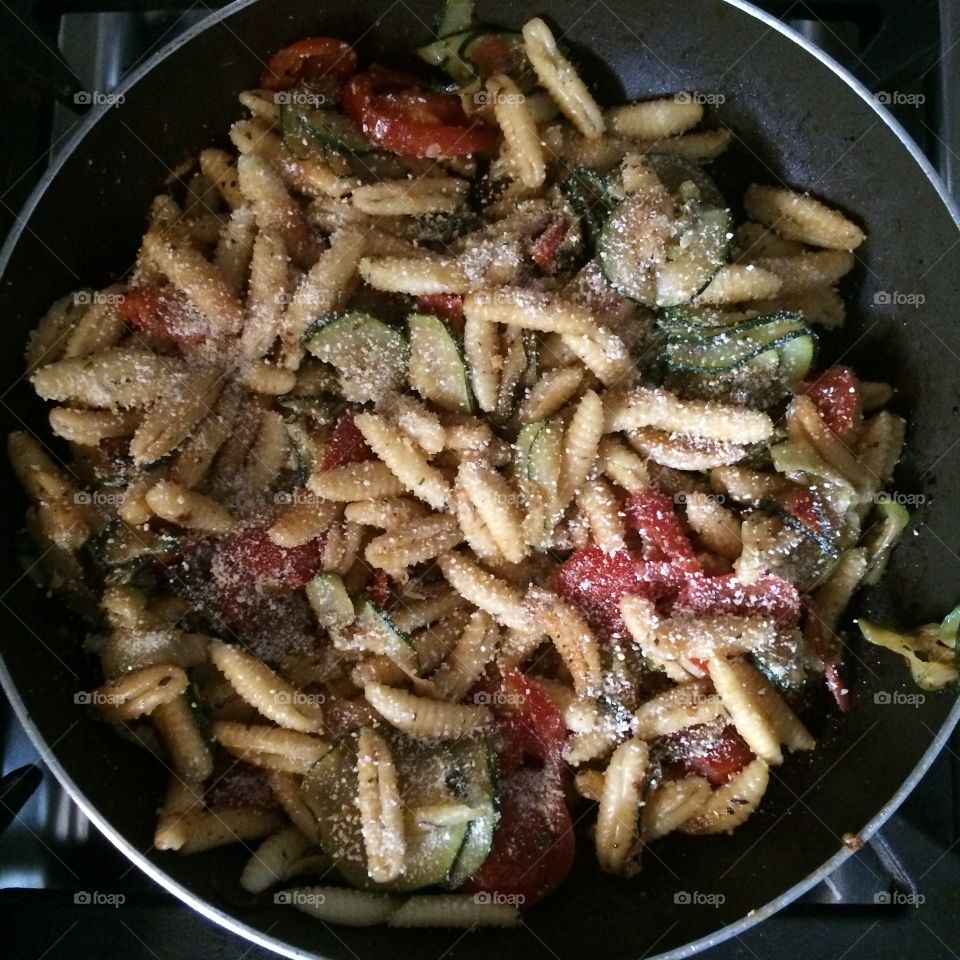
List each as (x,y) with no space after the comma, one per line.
(803,122)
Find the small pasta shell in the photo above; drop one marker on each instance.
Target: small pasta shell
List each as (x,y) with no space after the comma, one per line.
(581,443)
(425,719)
(276,748)
(187,508)
(222,826)
(736,283)
(369,480)
(798,216)
(381,812)
(655,119)
(663,410)
(519,130)
(404,460)
(571,636)
(263,689)
(118,377)
(486,591)
(414,276)
(420,195)
(757,710)
(271,861)
(140,693)
(808,270)
(560,79)
(187,749)
(672,803)
(463,911)
(732,804)
(682,706)
(617,837)
(497,505)
(351,908)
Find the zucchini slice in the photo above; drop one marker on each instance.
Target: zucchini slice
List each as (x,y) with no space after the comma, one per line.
(430,776)
(330,601)
(299,125)
(696,253)
(370,356)
(454,17)
(626,250)
(725,348)
(303,452)
(458,54)
(320,410)
(699,252)
(593,200)
(384,636)
(474,779)
(438,370)
(883,537)
(676,172)
(546,457)
(118,544)
(537,459)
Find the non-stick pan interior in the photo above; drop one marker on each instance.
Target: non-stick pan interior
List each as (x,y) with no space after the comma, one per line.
(801,124)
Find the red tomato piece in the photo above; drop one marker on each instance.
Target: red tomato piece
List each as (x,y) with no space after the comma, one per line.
(394,110)
(768,596)
(250,555)
(235,783)
(836,393)
(534,844)
(652,515)
(309,58)
(716,757)
(379,588)
(491,54)
(346,445)
(832,664)
(594,581)
(449,306)
(806,507)
(529,720)
(164,313)
(546,246)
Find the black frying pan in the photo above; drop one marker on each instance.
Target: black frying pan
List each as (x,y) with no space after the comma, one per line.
(804,123)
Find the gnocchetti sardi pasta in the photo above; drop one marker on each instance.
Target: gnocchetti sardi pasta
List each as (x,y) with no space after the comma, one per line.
(451,475)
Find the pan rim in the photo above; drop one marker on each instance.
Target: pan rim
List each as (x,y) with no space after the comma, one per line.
(228,921)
